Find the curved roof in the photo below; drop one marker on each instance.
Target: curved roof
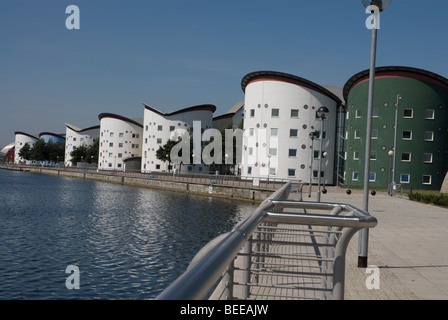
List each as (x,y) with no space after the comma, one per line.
(74,128)
(51,134)
(285,77)
(394,71)
(26,134)
(208,107)
(118,117)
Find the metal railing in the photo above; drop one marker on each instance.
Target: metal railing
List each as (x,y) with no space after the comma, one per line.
(285,250)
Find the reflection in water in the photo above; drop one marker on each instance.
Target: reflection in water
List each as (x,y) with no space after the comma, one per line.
(128,242)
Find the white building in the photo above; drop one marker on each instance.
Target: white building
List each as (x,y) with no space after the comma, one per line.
(120,142)
(22,138)
(76,137)
(280,114)
(159,127)
(234,116)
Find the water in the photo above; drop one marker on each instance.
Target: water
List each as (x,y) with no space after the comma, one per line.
(128,242)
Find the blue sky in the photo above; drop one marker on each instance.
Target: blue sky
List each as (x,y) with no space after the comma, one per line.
(174,54)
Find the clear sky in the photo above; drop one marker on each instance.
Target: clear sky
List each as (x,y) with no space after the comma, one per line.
(173,54)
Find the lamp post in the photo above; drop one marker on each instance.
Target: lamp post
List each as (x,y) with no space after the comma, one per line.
(390,154)
(269,165)
(322,113)
(312,136)
(393,184)
(325,154)
(372,5)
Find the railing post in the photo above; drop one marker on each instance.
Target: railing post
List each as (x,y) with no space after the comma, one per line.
(228,278)
(246,268)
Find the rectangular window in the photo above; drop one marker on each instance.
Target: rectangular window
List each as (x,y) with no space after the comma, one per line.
(357,134)
(355,155)
(251,151)
(408,113)
(317,134)
(428,136)
(172,128)
(426,179)
(429,114)
(121,134)
(375,112)
(358,113)
(374,134)
(251,131)
(355,176)
(315,173)
(275,112)
(159,128)
(273,151)
(272,171)
(159,140)
(293,133)
(405,178)
(291,172)
(252,113)
(407,134)
(120,155)
(111,144)
(292,152)
(294,113)
(372,155)
(406,156)
(111,134)
(274,132)
(427,157)
(249,170)
(372,176)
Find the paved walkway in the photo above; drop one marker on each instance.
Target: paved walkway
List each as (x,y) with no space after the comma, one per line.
(409,246)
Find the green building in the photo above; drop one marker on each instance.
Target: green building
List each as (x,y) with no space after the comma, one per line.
(415,99)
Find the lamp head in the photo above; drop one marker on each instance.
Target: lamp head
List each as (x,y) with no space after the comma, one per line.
(322,112)
(381,4)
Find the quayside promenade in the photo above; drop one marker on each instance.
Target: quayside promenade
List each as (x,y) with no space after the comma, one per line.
(409,246)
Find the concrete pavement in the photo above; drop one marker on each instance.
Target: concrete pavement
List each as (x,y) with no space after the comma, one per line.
(409,246)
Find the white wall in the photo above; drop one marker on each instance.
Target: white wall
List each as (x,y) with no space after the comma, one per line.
(119,140)
(75,137)
(20,141)
(262,97)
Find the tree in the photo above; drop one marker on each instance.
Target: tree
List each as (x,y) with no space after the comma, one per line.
(40,151)
(25,152)
(78,154)
(92,152)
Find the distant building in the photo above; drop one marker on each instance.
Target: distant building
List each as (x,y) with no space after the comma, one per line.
(76,137)
(120,140)
(53,137)
(7,153)
(159,127)
(234,117)
(280,112)
(22,138)
(421,151)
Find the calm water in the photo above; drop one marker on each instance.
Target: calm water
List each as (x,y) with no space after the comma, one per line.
(128,242)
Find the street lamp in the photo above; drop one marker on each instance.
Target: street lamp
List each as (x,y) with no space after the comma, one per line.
(269,165)
(393,184)
(391,154)
(325,154)
(381,5)
(312,136)
(322,113)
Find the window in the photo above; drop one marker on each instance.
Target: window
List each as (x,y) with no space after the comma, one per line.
(293,132)
(251,131)
(374,134)
(407,134)
(172,128)
(317,134)
(249,170)
(291,172)
(355,155)
(426,179)
(372,176)
(429,114)
(428,136)
(406,156)
(120,155)
(121,134)
(251,151)
(405,178)
(252,113)
(273,151)
(294,113)
(111,144)
(272,171)
(275,112)
(357,134)
(358,113)
(292,152)
(111,134)
(159,128)
(375,112)
(159,140)
(274,132)
(120,145)
(315,173)
(372,155)
(408,113)
(355,176)
(427,157)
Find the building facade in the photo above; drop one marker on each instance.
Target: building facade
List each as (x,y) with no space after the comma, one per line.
(120,141)
(76,137)
(159,127)
(280,113)
(22,138)
(415,99)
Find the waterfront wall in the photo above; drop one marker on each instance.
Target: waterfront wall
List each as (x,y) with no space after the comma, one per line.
(216,190)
